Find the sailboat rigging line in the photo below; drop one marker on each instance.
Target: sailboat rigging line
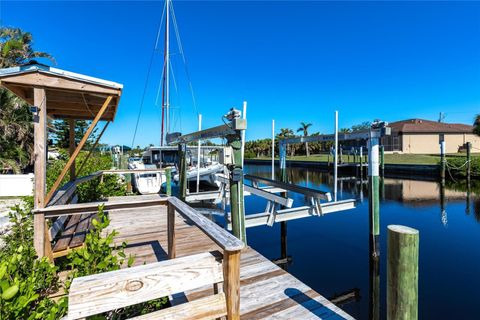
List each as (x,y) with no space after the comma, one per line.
(180,48)
(147,78)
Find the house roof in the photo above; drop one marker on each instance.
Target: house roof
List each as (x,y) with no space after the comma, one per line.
(68,94)
(427,126)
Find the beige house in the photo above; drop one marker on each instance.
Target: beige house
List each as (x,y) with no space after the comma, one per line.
(417,136)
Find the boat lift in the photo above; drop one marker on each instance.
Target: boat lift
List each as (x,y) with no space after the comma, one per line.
(279,207)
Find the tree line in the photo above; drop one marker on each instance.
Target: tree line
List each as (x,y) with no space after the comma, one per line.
(263,147)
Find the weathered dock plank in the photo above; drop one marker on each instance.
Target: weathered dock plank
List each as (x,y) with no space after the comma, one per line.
(266,291)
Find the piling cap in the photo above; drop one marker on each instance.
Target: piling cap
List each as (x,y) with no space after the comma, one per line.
(402,229)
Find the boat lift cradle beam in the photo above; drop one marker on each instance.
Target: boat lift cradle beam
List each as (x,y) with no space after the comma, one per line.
(273,215)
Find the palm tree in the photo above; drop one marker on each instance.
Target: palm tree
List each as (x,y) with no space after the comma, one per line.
(16,133)
(304,128)
(284,134)
(17,48)
(16,130)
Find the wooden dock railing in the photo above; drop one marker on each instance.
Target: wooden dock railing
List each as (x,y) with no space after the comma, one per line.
(229,244)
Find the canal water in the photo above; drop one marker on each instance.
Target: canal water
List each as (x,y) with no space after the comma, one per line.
(331,253)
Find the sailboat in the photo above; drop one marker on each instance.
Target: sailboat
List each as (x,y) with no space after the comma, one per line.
(204,164)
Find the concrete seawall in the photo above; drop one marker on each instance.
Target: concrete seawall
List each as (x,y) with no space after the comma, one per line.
(391,170)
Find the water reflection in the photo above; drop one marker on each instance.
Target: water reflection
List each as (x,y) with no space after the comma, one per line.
(415,193)
(331,253)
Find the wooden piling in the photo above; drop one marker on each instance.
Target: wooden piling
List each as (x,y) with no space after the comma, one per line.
(402,273)
(469,162)
(374,196)
(382,161)
(168,181)
(182,177)
(443,160)
(374,289)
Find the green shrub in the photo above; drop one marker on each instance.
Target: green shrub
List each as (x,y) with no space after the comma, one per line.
(93,190)
(457,166)
(25,281)
(98,254)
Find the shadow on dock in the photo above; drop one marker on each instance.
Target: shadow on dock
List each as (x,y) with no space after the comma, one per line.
(312,305)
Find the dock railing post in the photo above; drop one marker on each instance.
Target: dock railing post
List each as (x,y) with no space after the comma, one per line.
(373,194)
(182,175)
(171,230)
(402,273)
(168,181)
(231,283)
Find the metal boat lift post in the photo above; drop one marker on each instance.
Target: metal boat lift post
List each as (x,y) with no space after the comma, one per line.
(233,132)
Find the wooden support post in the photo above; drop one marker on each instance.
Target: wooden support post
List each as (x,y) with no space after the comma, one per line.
(402,273)
(171,231)
(39,234)
(182,175)
(236,189)
(373,195)
(40,158)
(168,181)
(71,146)
(79,147)
(231,283)
(40,146)
(469,160)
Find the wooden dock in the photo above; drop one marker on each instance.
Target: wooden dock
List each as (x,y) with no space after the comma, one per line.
(266,291)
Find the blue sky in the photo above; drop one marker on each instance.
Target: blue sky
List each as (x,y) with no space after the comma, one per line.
(292,61)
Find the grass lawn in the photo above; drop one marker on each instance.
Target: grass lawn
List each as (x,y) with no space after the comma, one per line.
(389,158)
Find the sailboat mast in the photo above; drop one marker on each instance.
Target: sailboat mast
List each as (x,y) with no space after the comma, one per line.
(167,65)
(165,80)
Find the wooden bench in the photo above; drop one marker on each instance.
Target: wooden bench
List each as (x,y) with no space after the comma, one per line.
(68,233)
(108,291)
